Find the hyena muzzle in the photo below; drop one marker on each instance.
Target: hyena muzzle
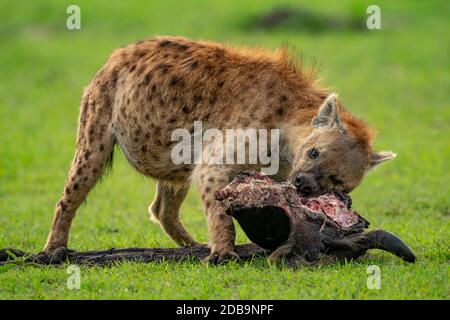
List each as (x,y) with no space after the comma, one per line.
(147,90)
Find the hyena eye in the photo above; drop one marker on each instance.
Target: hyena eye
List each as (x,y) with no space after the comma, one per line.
(313,153)
(335,180)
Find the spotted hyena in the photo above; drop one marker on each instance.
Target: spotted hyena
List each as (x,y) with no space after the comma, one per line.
(148,89)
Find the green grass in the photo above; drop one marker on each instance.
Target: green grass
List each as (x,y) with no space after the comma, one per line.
(396,78)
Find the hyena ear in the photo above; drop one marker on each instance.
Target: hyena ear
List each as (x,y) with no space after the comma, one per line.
(379,157)
(328,114)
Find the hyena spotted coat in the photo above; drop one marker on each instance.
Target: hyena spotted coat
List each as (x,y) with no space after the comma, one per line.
(148,89)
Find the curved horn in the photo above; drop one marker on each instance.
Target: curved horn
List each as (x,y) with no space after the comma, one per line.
(387,241)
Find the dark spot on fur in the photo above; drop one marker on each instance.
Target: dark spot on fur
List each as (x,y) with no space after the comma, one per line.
(165,43)
(197,99)
(194,64)
(209,69)
(126,64)
(75,186)
(280,111)
(174,81)
(63,205)
(147,116)
(172,120)
(164,68)
(102,147)
(87,154)
(144,149)
(114,77)
(283,98)
(211,179)
(173,45)
(213,99)
(207,189)
(79,171)
(147,79)
(185,109)
(222,216)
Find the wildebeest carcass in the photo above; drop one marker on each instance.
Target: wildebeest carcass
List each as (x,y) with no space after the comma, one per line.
(297,229)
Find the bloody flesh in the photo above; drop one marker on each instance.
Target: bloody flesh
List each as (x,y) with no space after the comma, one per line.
(333,207)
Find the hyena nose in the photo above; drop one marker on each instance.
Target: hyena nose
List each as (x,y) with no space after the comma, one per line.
(304,184)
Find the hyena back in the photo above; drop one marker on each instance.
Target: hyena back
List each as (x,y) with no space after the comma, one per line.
(147,90)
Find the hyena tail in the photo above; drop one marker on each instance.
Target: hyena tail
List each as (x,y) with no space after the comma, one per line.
(93,156)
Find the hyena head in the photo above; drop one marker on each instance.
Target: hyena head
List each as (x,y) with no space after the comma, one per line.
(335,156)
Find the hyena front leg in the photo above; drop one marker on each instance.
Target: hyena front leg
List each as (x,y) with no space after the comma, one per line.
(220,225)
(165,209)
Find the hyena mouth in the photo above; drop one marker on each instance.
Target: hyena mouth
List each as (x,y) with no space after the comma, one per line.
(306,184)
(277,218)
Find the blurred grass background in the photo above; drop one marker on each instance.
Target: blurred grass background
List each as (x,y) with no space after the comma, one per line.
(397,78)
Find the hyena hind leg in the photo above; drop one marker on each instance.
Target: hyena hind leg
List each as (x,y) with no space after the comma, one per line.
(87,167)
(165,209)
(95,146)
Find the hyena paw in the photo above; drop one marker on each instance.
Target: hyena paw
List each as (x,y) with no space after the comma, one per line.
(51,247)
(221,255)
(55,256)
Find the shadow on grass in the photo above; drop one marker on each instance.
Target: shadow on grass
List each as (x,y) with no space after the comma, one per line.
(301,19)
